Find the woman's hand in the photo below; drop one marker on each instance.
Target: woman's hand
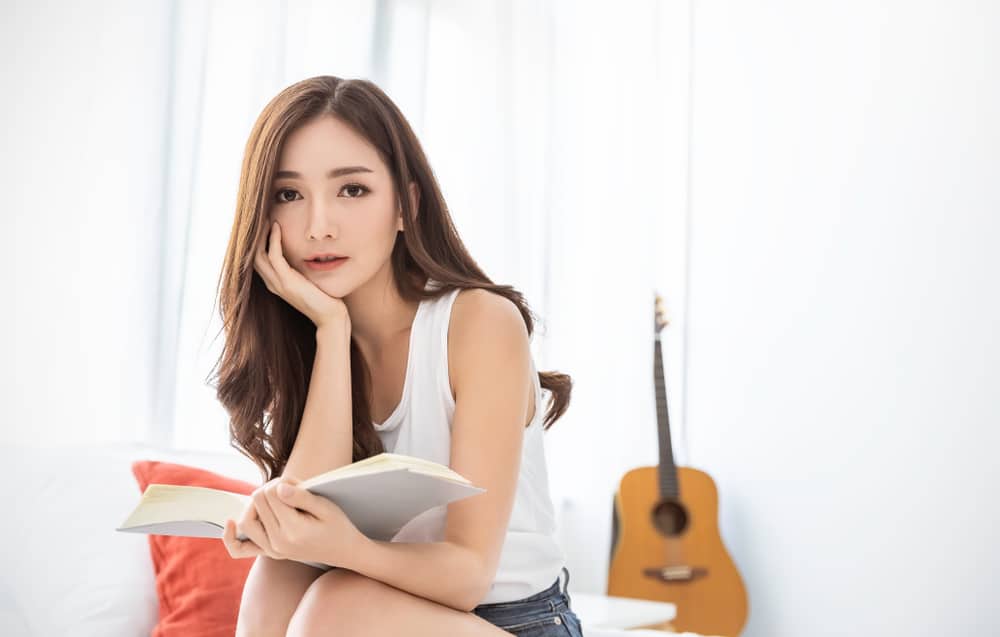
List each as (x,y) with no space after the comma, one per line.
(299,525)
(288,283)
(257,542)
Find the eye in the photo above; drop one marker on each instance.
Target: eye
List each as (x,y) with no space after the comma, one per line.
(280,199)
(363,189)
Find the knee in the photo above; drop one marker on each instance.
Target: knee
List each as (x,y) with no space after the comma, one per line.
(257,623)
(340,602)
(270,594)
(256,619)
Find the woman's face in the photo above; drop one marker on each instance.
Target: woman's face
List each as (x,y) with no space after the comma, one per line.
(333,194)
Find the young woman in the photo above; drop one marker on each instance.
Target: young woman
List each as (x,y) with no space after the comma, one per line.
(401,344)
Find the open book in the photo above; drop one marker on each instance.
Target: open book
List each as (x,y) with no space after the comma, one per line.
(379,494)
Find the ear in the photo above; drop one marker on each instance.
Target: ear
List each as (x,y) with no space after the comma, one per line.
(414,203)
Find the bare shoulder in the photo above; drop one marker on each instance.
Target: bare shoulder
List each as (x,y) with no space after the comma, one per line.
(478,308)
(480,315)
(486,331)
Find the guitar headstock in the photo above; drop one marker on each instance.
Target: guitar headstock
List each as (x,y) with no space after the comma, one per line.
(659,314)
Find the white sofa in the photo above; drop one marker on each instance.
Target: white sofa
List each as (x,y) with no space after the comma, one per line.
(64,570)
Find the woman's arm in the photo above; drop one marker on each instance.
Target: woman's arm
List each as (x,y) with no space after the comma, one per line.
(490,357)
(447,573)
(325,439)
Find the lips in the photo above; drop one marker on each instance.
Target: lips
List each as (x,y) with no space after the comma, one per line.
(325,255)
(325,265)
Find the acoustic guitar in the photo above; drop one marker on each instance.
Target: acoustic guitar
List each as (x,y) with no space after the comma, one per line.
(665,542)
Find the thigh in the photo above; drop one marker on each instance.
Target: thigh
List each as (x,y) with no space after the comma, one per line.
(360,606)
(271,594)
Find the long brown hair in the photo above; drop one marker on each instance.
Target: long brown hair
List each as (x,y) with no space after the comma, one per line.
(262,375)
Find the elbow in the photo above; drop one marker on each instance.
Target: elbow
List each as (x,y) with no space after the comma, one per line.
(477,585)
(469,600)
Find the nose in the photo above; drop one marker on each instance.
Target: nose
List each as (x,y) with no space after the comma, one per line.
(322,222)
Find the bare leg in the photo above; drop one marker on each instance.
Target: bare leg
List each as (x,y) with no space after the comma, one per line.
(272,591)
(347,604)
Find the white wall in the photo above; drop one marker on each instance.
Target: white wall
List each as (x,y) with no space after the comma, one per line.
(84,102)
(843,351)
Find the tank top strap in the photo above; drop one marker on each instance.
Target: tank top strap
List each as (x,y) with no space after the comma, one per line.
(439,336)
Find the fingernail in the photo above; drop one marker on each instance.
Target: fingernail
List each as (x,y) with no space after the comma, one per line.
(284,489)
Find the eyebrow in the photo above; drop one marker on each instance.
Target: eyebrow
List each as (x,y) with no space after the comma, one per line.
(336,172)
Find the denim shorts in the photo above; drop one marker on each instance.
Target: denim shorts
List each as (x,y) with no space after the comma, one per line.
(545,614)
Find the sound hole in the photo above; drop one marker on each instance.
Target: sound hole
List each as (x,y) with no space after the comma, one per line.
(670,517)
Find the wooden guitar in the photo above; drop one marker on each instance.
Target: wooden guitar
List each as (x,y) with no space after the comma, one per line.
(665,543)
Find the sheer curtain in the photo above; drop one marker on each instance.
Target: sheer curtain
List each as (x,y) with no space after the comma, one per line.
(558,132)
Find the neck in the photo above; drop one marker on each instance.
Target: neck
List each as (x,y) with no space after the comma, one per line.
(378,313)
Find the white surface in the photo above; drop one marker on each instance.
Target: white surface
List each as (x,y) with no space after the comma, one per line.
(602,611)
(843,316)
(80,364)
(616,632)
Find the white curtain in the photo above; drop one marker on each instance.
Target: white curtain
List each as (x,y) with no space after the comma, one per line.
(558,132)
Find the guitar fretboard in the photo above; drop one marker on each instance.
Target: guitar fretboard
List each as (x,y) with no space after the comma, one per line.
(667,468)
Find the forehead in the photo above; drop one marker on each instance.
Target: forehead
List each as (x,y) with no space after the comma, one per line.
(325,143)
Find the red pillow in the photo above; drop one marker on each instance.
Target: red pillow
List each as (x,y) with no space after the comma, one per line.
(198,584)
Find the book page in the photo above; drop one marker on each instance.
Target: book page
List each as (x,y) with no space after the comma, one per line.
(386,462)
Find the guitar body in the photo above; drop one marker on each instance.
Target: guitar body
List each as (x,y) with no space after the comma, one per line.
(670,550)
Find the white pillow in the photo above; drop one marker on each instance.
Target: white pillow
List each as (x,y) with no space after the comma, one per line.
(64,570)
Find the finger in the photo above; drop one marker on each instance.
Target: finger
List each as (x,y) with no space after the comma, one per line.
(286,513)
(259,267)
(238,548)
(255,531)
(273,243)
(297,497)
(274,254)
(265,516)
(235,547)
(265,511)
(248,549)
(228,538)
(263,265)
(249,513)
(251,522)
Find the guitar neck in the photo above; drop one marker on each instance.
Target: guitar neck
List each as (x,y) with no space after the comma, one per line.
(667,468)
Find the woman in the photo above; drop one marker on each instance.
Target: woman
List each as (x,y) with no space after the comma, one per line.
(343,260)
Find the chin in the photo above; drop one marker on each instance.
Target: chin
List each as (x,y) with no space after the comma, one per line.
(337,289)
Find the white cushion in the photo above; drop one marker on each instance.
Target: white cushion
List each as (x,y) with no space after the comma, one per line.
(64,570)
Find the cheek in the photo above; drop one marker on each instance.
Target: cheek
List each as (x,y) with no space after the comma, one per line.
(377,226)
(282,216)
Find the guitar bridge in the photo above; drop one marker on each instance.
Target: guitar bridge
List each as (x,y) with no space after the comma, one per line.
(682,573)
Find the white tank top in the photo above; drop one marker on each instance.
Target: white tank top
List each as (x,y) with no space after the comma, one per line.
(531,558)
